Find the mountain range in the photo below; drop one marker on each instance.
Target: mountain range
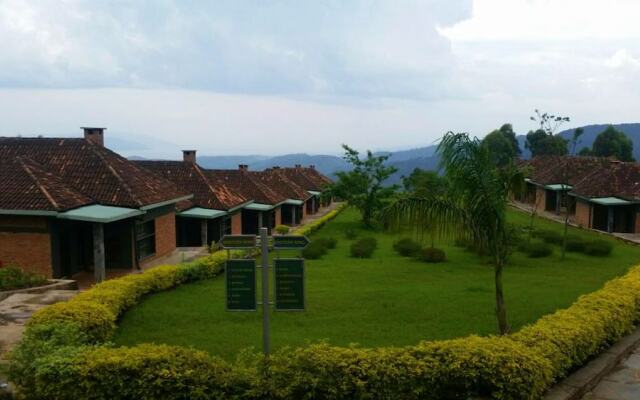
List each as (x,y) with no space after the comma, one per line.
(405,161)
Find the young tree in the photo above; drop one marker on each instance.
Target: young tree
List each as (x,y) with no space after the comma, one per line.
(574,142)
(612,142)
(474,206)
(502,145)
(421,183)
(363,186)
(544,141)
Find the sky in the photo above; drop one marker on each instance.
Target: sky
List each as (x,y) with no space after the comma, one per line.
(277,77)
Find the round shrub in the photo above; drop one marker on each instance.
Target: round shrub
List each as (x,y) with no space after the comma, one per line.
(575,243)
(364,247)
(328,243)
(538,250)
(407,247)
(432,255)
(551,237)
(282,229)
(598,247)
(15,278)
(314,250)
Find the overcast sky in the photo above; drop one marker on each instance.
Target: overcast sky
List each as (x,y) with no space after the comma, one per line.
(274,77)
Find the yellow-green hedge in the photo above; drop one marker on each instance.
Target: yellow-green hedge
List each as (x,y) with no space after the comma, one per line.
(309,228)
(65,353)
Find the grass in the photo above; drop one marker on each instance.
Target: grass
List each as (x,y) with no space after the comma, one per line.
(385,300)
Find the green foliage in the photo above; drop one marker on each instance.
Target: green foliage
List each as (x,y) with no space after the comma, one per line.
(364,248)
(282,229)
(314,250)
(613,143)
(309,228)
(502,145)
(598,247)
(407,247)
(363,186)
(432,255)
(536,249)
(541,143)
(350,234)
(585,152)
(575,244)
(327,242)
(421,183)
(15,278)
(549,236)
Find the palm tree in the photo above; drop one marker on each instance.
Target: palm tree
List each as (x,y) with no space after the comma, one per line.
(474,207)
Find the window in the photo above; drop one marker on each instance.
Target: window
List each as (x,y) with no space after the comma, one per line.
(145,238)
(273,219)
(226,226)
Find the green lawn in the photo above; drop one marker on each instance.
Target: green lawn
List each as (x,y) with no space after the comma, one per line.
(386,300)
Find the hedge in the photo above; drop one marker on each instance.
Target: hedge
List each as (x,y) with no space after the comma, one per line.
(65,353)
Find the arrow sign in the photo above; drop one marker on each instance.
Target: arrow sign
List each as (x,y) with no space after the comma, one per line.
(238,241)
(290,242)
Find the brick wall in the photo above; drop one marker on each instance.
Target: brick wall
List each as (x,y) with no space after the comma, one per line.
(583,211)
(540,199)
(637,224)
(165,236)
(25,243)
(236,224)
(278,212)
(304,209)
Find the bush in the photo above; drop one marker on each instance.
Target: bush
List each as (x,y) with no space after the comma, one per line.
(350,234)
(407,247)
(432,255)
(314,250)
(282,229)
(15,278)
(575,243)
(364,247)
(308,229)
(536,249)
(551,237)
(328,243)
(598,247)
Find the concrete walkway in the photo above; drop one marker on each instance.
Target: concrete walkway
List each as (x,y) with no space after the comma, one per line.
(623,383)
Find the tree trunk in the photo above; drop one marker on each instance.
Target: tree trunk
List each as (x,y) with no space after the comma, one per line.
(501,310)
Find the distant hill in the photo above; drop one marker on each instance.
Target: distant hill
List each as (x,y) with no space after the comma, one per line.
(229,162)
(632,130)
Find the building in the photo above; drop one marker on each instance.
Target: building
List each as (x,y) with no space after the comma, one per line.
(265,210)
(313,182)
(292,209)
(69,205)
(214,210)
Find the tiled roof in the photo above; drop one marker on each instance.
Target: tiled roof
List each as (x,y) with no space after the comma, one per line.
(93,170)
(617,179)
(549,170)
(245,183)
(307,178)
(277,181)
(25,185)
(208,191)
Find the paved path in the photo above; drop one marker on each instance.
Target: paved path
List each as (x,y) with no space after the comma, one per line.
(623,383)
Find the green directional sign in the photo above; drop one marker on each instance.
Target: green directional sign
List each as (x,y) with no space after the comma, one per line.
(289,284)
(238,241)
(241,285)
(290,242)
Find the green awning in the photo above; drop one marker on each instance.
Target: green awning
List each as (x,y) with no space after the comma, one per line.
(293,202)
(315,193)
(100,213)
(259,207)
(610,201)
(558,186)
(199,212)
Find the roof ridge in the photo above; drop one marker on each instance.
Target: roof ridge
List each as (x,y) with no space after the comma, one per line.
(38,184)
(94,148)
(204,178)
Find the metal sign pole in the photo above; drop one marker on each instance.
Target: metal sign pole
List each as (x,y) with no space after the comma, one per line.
(264,239)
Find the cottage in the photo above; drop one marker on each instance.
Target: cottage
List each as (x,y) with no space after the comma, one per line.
(69,205)
(214,210)
(311,180)
(292,209)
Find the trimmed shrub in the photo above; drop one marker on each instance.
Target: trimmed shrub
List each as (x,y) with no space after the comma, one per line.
(15,278)
(329,243)
(575,244)
(314,250)
(598,247)
(282,229)
(364,247)
(407,247)
(308,229)
(551,237)
(536,249)
(432,255)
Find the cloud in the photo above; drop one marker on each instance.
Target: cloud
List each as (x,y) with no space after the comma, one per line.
(335,48)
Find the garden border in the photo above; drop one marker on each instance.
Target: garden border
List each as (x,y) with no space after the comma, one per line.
(65,352)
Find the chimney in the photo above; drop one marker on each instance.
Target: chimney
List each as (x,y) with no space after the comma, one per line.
(189,156)
(243,167)
(275,167)
(298,166)
(94,135)
(312,167)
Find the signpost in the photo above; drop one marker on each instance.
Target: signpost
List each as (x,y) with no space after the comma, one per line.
(241,277)
(289,284)
(241,285)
